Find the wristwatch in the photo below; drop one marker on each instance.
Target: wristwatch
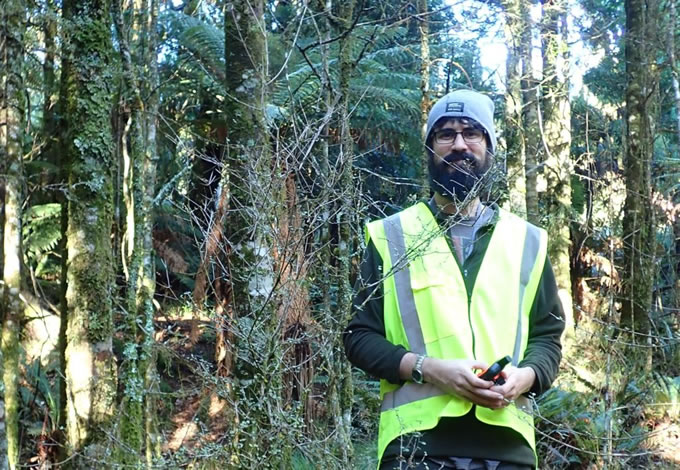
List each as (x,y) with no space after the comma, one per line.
(417,372)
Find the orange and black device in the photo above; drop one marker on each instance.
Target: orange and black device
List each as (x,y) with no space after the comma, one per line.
(494,372)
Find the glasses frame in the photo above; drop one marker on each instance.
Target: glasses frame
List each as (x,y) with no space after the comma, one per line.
(474,140)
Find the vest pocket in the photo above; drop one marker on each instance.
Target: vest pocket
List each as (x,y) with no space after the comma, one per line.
(442,316)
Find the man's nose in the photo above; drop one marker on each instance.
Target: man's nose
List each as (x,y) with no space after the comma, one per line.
(459,143)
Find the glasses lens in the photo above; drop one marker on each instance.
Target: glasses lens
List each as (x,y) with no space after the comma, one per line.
(445,136)
(472,135)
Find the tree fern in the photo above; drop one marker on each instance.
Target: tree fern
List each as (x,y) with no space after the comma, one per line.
(204,40)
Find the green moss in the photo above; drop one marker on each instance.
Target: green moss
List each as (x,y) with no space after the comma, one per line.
(131,427)
(88,142)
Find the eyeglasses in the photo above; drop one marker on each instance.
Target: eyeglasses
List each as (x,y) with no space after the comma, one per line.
(449,136)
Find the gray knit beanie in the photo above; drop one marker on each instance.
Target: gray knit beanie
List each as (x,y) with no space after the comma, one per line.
(464,104)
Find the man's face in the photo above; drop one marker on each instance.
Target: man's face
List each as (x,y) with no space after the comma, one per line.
(459,160)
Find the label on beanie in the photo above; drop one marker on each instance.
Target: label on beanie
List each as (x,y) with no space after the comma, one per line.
(455,107)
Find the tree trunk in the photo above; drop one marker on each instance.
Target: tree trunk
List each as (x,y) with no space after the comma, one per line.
(254,191)
(140,156)
(130,428)
(323,270)
(675,73)
(90,364)
(248,155)
(294,308)
(514,139)
(342,375)
(49,132)
(147,284)
(558,164)
(424,32)
(530,104)
(675,80)
(4,455)
(11,137)
(62,161)
(214,246)
(3,171)
(638,226)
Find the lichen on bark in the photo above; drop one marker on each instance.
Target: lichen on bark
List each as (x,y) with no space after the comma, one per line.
(558,167)
(90,367)
(12,108)
(638,225)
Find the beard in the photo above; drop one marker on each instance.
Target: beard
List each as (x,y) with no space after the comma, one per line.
(458,176)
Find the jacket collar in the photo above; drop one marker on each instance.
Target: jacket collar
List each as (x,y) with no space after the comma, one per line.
(443,218)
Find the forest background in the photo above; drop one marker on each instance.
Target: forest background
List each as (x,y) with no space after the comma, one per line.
(184,186)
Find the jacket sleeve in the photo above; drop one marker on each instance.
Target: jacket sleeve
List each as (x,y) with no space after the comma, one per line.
(544,348)
(364,338)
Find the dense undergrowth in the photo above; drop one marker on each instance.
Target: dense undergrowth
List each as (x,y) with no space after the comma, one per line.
(596,416)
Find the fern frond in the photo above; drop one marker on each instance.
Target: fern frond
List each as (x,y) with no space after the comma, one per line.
(41,229)
(204,41)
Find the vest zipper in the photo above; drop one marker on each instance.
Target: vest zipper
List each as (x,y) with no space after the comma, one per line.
(469,303)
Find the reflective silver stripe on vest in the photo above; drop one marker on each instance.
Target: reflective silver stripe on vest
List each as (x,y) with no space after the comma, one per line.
(411,392)
(402,281)
(532,243)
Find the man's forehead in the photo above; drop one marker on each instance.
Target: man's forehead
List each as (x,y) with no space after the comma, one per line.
(456,120)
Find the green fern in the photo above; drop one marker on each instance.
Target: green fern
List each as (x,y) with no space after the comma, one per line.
(41,234)
(204,40)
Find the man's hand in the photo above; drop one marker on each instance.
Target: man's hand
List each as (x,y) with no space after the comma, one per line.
(518,380)
(456,376)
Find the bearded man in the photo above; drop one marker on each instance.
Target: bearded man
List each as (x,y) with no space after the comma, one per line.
(447,287)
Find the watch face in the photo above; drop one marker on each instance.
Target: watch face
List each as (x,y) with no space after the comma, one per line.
(417,372)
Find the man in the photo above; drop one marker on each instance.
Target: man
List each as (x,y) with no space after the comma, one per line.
(447,287)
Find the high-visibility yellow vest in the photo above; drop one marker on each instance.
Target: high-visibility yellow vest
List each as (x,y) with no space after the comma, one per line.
(427,310)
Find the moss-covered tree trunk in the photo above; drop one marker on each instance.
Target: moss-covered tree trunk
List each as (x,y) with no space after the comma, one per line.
(638,227)
(11,135)
(558,166)
(90,363)
(131,419)
(147,282)
(530,102)
(514,140)
(137,45)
